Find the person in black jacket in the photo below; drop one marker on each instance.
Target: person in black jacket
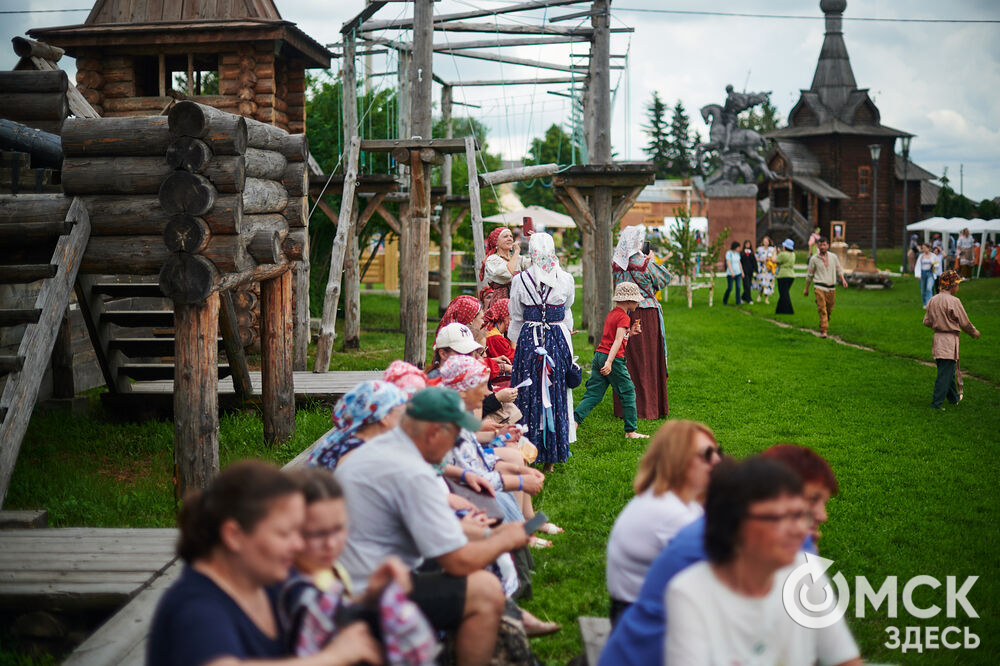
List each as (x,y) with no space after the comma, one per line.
(749,262)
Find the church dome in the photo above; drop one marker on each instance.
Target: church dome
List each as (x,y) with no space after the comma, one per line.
(833,6)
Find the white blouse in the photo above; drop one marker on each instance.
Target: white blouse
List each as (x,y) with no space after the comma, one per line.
(497,271)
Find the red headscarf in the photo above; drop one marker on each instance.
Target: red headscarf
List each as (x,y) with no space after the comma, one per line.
(496,313)
(462,309)
(491,248)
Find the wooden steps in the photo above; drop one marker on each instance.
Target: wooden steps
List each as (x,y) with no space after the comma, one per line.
(146,347)
(147,372)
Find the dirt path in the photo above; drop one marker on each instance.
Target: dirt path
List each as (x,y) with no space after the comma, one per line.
(841,341)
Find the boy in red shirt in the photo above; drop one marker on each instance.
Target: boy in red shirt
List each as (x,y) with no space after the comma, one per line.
(609,360)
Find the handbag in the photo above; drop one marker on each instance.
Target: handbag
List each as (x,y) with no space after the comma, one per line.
(574,376)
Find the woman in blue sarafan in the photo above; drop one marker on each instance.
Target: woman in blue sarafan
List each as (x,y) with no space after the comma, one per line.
(541,298)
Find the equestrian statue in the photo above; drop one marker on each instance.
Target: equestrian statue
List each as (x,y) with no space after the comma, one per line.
(735,145)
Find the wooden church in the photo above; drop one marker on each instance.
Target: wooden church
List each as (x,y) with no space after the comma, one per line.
(824,161)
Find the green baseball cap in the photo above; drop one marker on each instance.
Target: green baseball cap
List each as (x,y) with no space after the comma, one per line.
(441,405)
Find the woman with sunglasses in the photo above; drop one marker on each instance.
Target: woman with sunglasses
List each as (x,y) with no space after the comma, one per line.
(729,610)
(669,491)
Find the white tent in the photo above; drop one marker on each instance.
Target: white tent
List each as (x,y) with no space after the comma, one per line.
(542,218)
(954,226)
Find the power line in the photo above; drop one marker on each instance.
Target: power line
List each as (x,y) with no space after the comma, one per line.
(41,11)
(799,17)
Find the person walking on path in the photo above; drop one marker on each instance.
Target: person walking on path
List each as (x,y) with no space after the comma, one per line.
(965,252)
(763,279)
(646,356)
(946,316)
(541,318)
(749,264)
(609,367)
(927,268)
(785,276)
(734,272)
(824,270)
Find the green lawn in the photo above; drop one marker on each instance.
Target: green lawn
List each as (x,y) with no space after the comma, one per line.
(918,487)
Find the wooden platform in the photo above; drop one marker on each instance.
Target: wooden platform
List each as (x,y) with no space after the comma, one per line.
(80,568)
(155,399)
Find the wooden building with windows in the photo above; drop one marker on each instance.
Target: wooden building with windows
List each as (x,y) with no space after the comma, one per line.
(823,161)
(134,57)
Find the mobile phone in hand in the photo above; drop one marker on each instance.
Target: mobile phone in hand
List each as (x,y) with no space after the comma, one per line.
(532,525)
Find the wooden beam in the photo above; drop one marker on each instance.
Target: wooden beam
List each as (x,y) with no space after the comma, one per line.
(624,204)
(387,145)
(366,214)
(520,173)
(196,395)
(324,346)
(520,41)
(404,23)
(328,210)
(234,347)
(277,390)
(515,82)
(20,392)
(583,206)
(476,208)
(459,219)
(389,218)
(365,14)
(511,29)
(510,60)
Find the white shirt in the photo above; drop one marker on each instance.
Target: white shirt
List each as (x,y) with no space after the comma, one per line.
(709,624)
(496,270)
(643,529)
(924,262)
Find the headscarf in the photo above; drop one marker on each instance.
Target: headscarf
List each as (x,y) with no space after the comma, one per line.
(949,279)
(496,313)
(462,309)
(406,377)
(629,242)
(491,248)
(462,373)
(544,263)
(366,403)
(788,244)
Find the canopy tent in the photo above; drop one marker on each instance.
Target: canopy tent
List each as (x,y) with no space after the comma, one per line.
(954,226)
(543,218)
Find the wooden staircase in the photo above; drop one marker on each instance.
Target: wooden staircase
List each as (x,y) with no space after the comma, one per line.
(50,251)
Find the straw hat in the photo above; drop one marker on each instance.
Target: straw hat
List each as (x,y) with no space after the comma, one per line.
(627,291)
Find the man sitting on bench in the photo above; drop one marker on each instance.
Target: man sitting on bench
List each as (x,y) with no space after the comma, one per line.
(396,506)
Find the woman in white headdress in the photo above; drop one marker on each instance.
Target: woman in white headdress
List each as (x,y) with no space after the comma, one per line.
(645,356)
(541,298)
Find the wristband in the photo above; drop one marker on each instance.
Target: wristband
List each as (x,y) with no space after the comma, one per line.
(462,478)
(520,482)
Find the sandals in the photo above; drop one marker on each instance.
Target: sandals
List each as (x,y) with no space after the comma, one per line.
(550,528)
(539,542)
(533,627)
(635,435)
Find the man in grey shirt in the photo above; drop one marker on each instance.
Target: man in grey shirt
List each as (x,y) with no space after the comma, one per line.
(824,271)
(397,506)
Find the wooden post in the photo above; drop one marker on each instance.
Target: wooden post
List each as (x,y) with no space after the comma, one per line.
(444,262)
(63,384)
(234,350)
(196,394)
(352,269)
(600,153)
(277,390)
(476,208)
(324,346)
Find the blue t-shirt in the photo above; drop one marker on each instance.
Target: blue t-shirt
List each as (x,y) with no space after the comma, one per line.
(638,637)
(196,622)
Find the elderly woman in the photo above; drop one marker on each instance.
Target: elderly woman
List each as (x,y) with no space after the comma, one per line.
(669,490)
(763,279)
(729,609)
(238,538)
(467,310)
(645,355)
(503,261)
(541,298)
(364,412)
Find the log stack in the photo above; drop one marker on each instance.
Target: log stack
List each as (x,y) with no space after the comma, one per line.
(36,99)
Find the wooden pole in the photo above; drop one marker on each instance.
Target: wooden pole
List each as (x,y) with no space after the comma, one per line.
(352,269)
(277,391)
(196,394)
(521,173)
(475,206)
(234,350)
(415,329)
(444,260)
(403,132)
(324,346)
(600,153)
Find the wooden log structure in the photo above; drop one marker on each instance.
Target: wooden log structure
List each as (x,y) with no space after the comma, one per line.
(182,192)
(514,175)
(263,196)
(29,48)
(145,255)
(115,137)
(265,164)
(277,387)
(44,147)
(120,215)
(114,175)
(34,82)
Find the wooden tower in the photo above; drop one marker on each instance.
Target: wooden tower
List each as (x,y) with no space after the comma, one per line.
(134,57)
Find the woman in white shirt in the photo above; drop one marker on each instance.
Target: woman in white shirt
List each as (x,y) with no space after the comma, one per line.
(669,490)
(503,261)
(927,269)
(728,610)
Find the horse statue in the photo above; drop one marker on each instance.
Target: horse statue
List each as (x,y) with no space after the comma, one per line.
(733,143)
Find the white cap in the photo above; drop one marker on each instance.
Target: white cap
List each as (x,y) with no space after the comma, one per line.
(458,337)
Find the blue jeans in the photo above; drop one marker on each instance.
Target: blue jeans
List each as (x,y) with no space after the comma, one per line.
(730,281)
(926,286)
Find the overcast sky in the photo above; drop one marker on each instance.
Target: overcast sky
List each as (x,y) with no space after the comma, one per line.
(940,81)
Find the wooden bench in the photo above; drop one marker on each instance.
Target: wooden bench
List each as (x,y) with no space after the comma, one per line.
(122,639)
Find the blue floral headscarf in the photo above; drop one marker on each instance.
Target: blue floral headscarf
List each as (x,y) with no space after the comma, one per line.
(366,403)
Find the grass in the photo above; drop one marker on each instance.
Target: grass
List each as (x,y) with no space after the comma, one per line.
(918,487)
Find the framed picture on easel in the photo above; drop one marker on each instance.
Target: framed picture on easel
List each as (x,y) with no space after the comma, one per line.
(837,233)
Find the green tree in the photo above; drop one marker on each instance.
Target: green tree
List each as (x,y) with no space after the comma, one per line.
(685,249)
(552,148)
(680,151)
(988,209)
(950,203)
(658,148)
(761,119)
